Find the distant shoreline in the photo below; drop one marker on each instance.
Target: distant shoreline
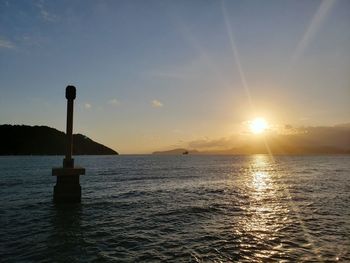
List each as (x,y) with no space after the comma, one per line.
(335,152)
(152,154)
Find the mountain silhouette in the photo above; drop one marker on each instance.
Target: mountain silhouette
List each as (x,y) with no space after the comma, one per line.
(43,140)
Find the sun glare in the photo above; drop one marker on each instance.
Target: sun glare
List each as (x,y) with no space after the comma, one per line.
(258,125)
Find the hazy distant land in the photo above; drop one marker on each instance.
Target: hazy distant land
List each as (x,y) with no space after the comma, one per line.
(307,140)
(176,152)
(261,150)
(43,140)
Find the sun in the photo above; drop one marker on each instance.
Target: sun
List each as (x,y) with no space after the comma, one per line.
(258,125)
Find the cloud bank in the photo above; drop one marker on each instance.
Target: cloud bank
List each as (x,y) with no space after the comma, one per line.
(302,140)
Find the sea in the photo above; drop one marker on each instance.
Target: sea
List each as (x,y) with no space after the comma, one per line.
(146,208)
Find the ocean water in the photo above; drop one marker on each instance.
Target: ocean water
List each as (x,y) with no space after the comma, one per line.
(179,209)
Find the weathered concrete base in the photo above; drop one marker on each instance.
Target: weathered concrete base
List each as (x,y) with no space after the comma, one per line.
(67,188)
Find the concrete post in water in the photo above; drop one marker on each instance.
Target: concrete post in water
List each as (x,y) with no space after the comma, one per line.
(67,188)
(70,96)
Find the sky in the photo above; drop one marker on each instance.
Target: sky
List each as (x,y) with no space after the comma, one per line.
(151,75)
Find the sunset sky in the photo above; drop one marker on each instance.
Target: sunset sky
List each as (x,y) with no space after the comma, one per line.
(152,75)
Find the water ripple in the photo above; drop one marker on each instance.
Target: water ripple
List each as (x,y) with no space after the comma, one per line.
(179,209)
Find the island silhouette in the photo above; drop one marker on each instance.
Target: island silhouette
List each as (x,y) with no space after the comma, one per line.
(43,140)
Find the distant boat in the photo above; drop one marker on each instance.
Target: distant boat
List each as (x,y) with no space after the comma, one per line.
(185,152)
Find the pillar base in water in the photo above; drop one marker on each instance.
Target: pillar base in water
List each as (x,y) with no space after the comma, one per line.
(67,188)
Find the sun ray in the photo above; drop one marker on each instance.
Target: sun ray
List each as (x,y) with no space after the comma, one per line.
(236,55)
(316,22)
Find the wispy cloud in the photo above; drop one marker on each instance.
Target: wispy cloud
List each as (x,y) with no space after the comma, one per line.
(156,104)
(113,102)
(32,41)
(4,43)
(45,14)
(87,105)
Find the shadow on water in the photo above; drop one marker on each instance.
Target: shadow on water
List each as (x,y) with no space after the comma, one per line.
(66,242)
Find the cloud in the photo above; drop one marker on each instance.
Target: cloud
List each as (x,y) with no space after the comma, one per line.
(6,44)
(45,14)
(87,106)
(296,140)
(156,104)
(113,102)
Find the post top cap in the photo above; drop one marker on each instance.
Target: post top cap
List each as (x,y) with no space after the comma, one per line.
(70,92)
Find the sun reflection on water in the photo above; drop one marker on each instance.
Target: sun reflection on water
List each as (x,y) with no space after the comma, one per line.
(269,211)
(260,172)
(259,180)
(266,215)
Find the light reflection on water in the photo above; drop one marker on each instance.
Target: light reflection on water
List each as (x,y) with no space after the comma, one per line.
(267,215)
(271,212)
(260,173)
(180,208)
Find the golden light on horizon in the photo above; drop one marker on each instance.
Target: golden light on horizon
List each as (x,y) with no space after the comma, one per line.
(258,125)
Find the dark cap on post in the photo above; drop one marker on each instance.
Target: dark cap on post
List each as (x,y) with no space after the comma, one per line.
(70,92)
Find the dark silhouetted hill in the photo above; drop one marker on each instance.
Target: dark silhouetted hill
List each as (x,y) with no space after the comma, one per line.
(43,140)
